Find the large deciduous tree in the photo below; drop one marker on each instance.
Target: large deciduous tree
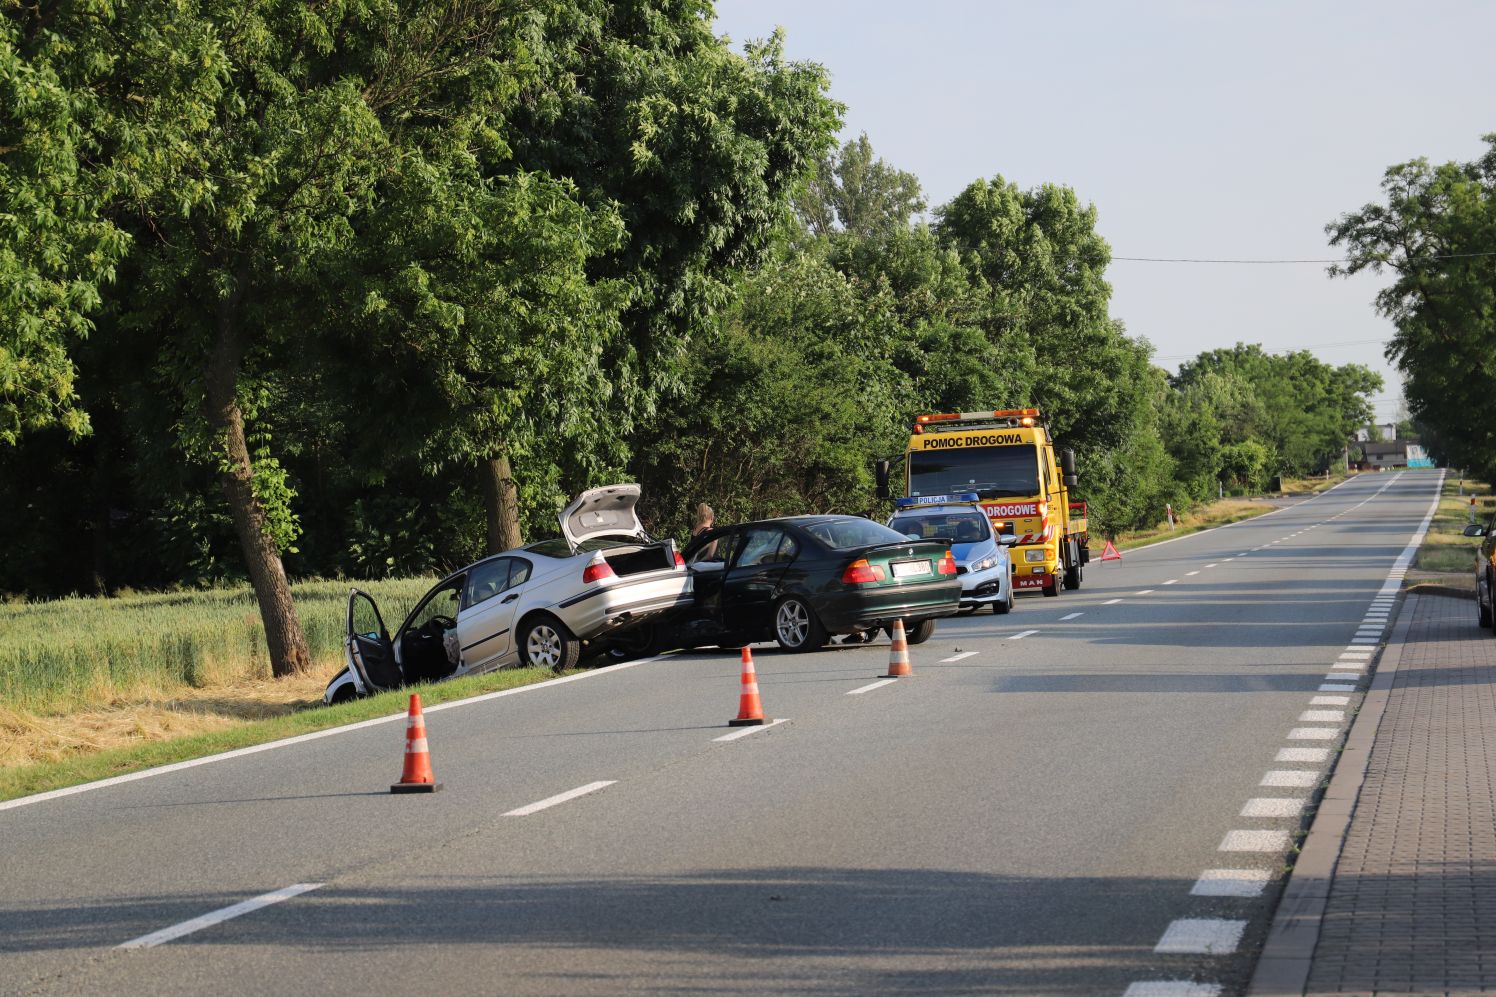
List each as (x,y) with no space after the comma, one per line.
(857,193)
(1435,230)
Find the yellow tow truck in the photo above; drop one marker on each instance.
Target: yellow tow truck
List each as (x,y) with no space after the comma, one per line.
(1023,482)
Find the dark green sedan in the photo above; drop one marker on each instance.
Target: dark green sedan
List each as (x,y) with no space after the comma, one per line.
(803,579)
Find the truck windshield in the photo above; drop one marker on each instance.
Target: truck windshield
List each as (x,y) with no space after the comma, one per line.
(991,472)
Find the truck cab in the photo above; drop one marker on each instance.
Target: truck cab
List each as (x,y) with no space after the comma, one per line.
(1023,483)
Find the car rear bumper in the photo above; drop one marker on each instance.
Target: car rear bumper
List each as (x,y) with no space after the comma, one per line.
(623,604)
(844,612)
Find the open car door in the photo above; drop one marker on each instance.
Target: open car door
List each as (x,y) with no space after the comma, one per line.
(371,653)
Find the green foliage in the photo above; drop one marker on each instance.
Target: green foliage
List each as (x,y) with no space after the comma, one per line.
(859,194)
(1245,465)
(1302,409)
(1434,230)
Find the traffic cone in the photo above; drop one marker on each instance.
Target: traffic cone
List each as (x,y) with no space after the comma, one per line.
(898,653)
(1109,553)
(417,777)
(750,710)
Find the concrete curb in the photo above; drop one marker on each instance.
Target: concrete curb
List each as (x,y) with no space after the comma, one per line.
(1288,954)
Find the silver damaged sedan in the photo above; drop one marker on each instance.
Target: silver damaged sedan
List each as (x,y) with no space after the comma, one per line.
(536,605)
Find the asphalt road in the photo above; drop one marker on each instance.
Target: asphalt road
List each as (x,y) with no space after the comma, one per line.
(1030,813)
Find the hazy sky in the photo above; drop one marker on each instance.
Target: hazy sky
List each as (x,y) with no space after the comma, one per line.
(1202,130)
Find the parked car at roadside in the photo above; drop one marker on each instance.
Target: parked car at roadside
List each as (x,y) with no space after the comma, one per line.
(540,604)
(801,580)
(982,561)
(1485,571)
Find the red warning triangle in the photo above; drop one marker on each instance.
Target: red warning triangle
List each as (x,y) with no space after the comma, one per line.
(1109,553)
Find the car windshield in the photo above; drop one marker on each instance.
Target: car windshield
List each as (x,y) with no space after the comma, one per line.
(991,472)
(957,527)
(841,534)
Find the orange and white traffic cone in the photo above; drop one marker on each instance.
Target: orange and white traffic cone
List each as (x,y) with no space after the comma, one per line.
(898,654)
(417,777)
(750,710)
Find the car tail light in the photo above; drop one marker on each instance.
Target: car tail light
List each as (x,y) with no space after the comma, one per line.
(947,564)
(680,562)
(597,569)
(860,572)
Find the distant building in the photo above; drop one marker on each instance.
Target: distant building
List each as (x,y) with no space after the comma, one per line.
(1395,453)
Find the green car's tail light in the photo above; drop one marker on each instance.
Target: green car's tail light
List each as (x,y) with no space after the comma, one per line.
(947,564)
(860,572)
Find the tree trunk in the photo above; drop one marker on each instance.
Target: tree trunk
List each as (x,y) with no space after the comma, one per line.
(289,653)
(500,503)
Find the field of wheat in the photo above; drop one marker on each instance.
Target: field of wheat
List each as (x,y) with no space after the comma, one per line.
(73,654)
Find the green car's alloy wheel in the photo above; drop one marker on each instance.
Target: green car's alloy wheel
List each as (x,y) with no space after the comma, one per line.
(796,627)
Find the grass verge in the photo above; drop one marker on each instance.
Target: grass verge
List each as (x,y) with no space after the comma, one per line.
(1447,556)
(39,777)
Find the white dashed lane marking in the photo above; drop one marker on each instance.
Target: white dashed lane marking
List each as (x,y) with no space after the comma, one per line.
(1290,778)
(1231,883)
(1254,841)
(1303,755)
(1322,716)
(1025,633)
(1314,733)
(745,731)
(571,794)
(1171,988)
(1145,592)
(1273,806)
(1071,616)
(870,687)
(1189,573)
(1111,602)
(1330,701)
(218,916)
(957,657)
(1201,936)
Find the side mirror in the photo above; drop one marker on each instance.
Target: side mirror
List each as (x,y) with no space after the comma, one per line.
(1071,481)
(1067,463)
(1475,530)
(880,475)
(1007,539)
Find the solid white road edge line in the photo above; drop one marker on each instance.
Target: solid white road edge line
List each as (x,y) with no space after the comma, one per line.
(218,916)
(745,731)
(316,734)
(859,691)
(551,801)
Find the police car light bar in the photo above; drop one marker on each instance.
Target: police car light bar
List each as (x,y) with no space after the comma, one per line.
(906,503)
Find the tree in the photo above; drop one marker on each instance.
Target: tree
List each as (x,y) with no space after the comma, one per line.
(1435,230)
(859,194)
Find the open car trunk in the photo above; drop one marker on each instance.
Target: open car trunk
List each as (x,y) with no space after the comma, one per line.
(631,559)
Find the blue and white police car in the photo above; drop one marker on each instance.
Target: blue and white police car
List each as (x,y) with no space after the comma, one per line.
(981,554)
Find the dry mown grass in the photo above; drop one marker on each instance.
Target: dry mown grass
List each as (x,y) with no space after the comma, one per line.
(27,737)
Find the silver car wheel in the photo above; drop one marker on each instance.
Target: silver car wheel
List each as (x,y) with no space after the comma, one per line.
(543,647)
(792,623)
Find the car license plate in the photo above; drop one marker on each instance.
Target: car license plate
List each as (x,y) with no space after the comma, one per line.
(910,569)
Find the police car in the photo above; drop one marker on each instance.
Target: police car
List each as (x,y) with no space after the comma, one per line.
(982,562)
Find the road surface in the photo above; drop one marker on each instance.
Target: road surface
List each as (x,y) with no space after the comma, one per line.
(1051,804)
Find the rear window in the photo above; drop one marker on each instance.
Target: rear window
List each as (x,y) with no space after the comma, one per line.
(558,547)
(842,534)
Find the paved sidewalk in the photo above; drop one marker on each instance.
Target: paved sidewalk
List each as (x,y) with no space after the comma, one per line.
(1409,904)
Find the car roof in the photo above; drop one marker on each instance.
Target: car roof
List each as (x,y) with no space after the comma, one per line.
(944,507)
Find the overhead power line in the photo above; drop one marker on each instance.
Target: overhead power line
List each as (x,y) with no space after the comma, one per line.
(1171,259)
